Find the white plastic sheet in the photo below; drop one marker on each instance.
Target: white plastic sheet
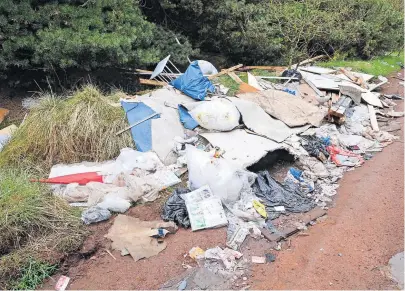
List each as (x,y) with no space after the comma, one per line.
(226,179)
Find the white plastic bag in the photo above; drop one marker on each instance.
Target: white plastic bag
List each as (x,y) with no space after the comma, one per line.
(219,114)
(207,68)
(225,179)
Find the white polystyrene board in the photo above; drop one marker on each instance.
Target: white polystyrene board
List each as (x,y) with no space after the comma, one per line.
(371,98)
(321,82)
(83,167)
(252,81)
(160,67)
(240,147)
(257,120)
(317,70)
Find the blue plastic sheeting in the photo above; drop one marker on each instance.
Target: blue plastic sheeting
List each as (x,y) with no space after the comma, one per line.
(193,83)
(141,133)
(186,119)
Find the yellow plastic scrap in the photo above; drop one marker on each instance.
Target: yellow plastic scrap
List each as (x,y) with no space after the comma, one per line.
(196,252)
(260,208)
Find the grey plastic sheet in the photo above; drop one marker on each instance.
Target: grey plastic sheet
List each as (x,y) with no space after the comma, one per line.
(274,194)
(175,208)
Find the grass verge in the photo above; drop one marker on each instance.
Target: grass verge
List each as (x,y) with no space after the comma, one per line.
(76,128)
(383,65)
(36,229)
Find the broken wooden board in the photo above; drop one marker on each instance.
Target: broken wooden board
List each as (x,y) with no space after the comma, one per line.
(339,108)
(151,82)
(373,118)
(308,217)
(3,113)
(243,87)
(268,68)
(223,72)
(317,70)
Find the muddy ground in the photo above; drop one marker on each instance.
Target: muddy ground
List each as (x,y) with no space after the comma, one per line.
(346,250)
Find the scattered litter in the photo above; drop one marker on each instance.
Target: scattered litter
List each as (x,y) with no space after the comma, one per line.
(204,209)
(279,208)
(182,285)
(62,283)
(196,253)
(258,260)
(270,258)
(260,208)
(227,256)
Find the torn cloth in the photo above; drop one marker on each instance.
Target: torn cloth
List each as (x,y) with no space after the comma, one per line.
(273,194)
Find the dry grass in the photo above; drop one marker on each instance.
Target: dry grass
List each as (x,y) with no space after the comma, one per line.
(77,128)
(33,224)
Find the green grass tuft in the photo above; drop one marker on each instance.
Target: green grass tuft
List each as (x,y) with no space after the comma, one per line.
(34,223)
(33,274)
(77,128)
(384,65)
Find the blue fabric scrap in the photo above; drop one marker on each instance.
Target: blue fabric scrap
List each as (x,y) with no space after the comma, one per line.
(193,83)
(186,119)
(142,133)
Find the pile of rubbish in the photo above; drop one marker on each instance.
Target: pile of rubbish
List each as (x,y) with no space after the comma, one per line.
(330,121)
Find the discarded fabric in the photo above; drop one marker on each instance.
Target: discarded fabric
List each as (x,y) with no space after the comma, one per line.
(193,83)
(175,208)
(95,214)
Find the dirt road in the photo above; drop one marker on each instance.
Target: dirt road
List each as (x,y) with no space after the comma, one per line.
(345,251)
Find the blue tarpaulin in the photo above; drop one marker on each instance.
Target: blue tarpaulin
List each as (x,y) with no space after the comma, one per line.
(193,83)
(186,119)
(141,133)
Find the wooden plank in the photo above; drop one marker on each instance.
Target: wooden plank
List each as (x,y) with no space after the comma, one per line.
(311,60)
(235,77)
(308,217)
(151,82)
(268,68)
(373,118)
(317,91)
(223,72)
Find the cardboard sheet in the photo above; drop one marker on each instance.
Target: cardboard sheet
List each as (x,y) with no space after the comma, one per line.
(291,110)
(130,234)
(257,120)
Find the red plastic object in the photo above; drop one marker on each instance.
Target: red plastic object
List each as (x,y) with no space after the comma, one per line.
(80,178)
